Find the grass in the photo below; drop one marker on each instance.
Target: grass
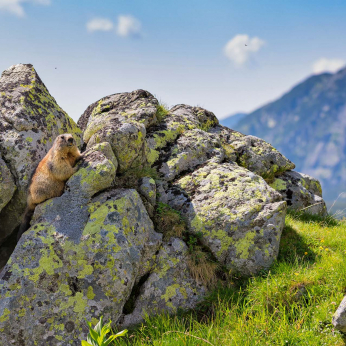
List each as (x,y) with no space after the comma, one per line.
(201,264)
(292,304)
(161,111)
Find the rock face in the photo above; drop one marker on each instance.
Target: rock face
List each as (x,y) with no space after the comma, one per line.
(339,318)
(94,250)
(301,192)
(30,119)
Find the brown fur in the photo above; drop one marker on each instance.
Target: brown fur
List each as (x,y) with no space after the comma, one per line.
(50,176)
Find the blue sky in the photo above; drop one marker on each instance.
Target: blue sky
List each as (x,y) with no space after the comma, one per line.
(182,51)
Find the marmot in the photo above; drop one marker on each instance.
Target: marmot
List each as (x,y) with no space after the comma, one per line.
(48,179)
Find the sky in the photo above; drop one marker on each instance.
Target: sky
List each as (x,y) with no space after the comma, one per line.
(227,56)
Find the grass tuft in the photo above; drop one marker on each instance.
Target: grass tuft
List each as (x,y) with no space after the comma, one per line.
(161,111)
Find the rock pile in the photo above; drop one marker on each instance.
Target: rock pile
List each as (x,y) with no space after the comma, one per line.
(95,250)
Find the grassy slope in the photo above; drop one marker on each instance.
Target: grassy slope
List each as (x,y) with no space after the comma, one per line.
(292,304)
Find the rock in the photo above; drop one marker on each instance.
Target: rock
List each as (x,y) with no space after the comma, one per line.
(64,271)
(238,216)
(107,151)
(301,192)
(253,153)
(30,119)
(7,185)
(193,148)
(169,286)
(121,120)
(339,318)
(181,118)
(147,188)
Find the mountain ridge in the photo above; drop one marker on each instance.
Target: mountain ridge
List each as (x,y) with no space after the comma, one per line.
(308,125)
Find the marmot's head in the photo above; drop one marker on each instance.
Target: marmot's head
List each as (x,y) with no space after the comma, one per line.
(64,141)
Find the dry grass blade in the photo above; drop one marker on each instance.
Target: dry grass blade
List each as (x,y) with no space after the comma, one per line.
(201,269)
(310,206)
(188,334)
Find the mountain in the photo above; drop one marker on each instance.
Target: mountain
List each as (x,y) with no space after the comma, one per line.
(308,125)
(232,120)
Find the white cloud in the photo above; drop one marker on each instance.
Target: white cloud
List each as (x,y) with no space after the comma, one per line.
(16,6)
(99,24)
(240,47)
(128,26)
(327,65)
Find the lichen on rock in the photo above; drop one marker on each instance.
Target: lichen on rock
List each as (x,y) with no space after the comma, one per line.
(301,192)
(253,153)
(121,120)
(193,148)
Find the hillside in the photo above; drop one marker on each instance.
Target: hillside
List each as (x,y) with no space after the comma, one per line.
(308,125)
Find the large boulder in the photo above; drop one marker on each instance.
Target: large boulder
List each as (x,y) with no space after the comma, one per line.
(301,192)
(30,119)
(94,251)
(253,153)
(238,216)
(169,286)
(79,260)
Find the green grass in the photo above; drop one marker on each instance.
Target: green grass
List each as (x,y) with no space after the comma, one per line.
(161,111)
(292,304)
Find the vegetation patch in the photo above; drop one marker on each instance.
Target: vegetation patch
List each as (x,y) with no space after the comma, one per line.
(202,266)
(161,111)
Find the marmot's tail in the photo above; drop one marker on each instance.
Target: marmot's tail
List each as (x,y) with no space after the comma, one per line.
(29,211)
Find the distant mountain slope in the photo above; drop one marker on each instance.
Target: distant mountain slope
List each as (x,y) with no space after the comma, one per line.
(308,125)
(232,120)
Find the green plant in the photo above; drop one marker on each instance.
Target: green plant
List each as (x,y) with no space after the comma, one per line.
(98,335)
(161,111)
